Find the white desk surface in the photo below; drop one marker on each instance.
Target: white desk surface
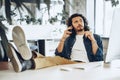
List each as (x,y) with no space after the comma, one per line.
(54,73)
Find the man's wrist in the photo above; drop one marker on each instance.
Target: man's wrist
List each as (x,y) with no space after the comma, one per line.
(62,40)
(93,42)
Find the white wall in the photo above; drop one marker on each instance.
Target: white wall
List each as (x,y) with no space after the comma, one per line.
(35,32)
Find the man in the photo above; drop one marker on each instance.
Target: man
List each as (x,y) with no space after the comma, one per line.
(23,59)
(78,43)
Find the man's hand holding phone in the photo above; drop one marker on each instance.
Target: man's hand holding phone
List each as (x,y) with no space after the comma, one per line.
(67,33)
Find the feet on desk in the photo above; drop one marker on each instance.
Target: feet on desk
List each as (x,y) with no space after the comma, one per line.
(19,64)
(21,43)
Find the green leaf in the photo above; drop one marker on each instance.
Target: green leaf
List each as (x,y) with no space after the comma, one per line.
(1,3)
(7,11)
(47,2)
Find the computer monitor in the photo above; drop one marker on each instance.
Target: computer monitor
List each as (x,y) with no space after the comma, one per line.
(113,51)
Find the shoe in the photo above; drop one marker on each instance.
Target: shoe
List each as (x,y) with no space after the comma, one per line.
(21,43)
(19,64)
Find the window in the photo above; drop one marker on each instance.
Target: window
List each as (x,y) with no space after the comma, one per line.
(42,16)
(55,12)
(103,17)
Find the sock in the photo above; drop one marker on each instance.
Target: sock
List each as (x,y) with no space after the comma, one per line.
(30,64)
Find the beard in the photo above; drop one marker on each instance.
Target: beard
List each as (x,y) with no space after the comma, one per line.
(79,29)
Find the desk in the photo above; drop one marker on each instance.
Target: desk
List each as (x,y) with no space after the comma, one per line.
(54,73)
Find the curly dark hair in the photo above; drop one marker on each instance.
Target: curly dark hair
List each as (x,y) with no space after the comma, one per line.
(69,22)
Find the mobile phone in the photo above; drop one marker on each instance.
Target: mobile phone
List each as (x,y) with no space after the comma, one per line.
(70,29)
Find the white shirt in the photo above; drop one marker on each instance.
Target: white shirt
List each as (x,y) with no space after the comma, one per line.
(78,51)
